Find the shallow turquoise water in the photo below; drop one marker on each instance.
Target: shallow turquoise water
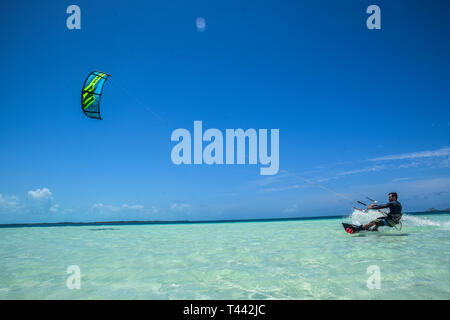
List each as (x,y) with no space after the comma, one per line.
(304,259)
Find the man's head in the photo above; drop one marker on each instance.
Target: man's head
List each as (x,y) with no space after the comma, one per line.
(393,196)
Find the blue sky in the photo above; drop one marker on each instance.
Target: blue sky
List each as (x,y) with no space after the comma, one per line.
(363,112)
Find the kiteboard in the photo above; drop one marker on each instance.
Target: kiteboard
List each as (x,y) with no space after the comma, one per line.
(351,228)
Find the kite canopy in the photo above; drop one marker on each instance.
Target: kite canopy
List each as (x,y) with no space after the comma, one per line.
(92,93)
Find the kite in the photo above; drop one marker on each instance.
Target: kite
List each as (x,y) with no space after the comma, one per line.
(92,93)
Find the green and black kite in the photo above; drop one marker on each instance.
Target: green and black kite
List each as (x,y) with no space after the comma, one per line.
(92,93)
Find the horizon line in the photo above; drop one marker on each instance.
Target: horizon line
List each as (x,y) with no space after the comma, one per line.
(138,222)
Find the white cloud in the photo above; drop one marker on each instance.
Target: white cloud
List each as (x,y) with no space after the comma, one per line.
(134,207)
(180,206)
(43,193)
(444,163)
(37,206)
(103,207)
(445,151)
(412,164)
(9,201)
(292,187)
(370,169)
(54,208)
(399,179)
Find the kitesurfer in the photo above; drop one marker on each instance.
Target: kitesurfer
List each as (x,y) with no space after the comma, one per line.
(391,219)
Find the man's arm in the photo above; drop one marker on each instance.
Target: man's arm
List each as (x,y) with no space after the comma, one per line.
(380,206)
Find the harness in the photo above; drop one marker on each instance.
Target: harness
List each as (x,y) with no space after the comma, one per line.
(394,225)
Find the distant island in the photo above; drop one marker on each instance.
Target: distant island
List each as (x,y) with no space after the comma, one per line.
(437,210)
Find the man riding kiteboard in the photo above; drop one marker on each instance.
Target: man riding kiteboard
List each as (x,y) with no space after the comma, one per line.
(390,219)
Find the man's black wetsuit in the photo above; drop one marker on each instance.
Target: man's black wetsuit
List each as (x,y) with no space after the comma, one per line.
(394,215)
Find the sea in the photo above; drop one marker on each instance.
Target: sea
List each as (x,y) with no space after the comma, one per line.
(286,259)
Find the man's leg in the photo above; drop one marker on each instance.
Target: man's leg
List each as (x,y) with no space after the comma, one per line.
(370,225)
